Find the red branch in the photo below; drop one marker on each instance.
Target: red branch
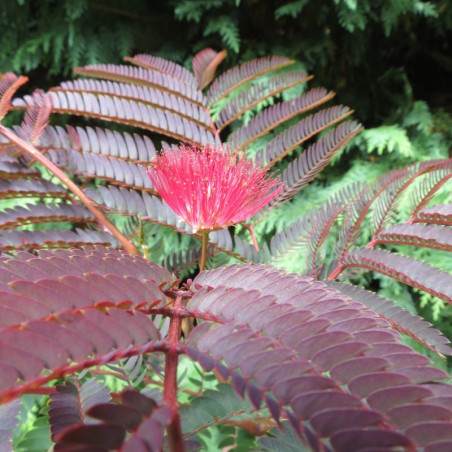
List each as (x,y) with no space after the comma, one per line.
(27,388)
(175,438)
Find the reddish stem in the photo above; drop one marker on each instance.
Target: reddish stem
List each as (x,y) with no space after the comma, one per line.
(336,272)
(175,439)
(41,391)
(205,243)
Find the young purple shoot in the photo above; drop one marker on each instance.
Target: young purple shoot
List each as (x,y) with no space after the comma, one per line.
(211,188)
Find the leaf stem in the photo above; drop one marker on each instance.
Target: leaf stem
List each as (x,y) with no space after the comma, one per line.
(62,176)
(175,438)
(336,272)
(205,242)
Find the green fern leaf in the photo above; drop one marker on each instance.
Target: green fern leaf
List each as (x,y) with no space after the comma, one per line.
(390,138)
(292,9)
(227,29)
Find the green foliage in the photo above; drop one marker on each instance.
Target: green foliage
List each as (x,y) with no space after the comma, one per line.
(33,431)
(290,9)
(194,10)
(419,136)
(282,440)
(61,35)
(227,29)
(387,139)
(217,419)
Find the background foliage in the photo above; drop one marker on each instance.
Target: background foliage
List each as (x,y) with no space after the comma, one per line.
(379,56)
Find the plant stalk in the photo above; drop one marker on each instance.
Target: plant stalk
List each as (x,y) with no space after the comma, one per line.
(175,438)
(336,272)
(205,242)
(188,323)
(62,176)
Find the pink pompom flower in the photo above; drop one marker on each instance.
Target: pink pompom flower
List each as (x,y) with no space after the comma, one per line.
(210,187)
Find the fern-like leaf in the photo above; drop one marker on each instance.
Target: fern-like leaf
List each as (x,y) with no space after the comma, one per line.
(405,269)
(143,205)
(219,406)
(292,137)
(11,168)
(91,324)
(360,207)
(438,214)
(391,196)
(273,116)
(402,320)
(253,94)
(36,116)
(122,146)
(436,237)
(305,168)
(184,259)
(321,225)
(329,363)
(144,77)
(144,95)
(239,75)
(9,84)
(128,112)
(137,414)
(287,241)
(430,185)
(205,64)
(311,229)
(41,213)
(113,170)
(69,403)
(30,188)
(165,66)
(53,238)
(247,251)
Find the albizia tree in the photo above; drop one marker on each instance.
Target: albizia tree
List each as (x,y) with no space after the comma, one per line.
(94,330)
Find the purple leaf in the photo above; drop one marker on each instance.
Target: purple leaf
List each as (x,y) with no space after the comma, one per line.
(8,420)
(335,354)
(363,385)
(289,388)
(238,75)
(69,404)
(347,370)
(306,405)
(106,436)
(375,440)
(402,320)
(405,269)
(329,421)
(239,384)
(254,395)
(406,415)
(430,432)
(138,402)
(267,376)
(438,214)
(122,415)
(387,398)
(205,64)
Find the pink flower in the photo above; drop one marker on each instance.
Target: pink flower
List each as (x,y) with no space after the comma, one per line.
(210,187)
